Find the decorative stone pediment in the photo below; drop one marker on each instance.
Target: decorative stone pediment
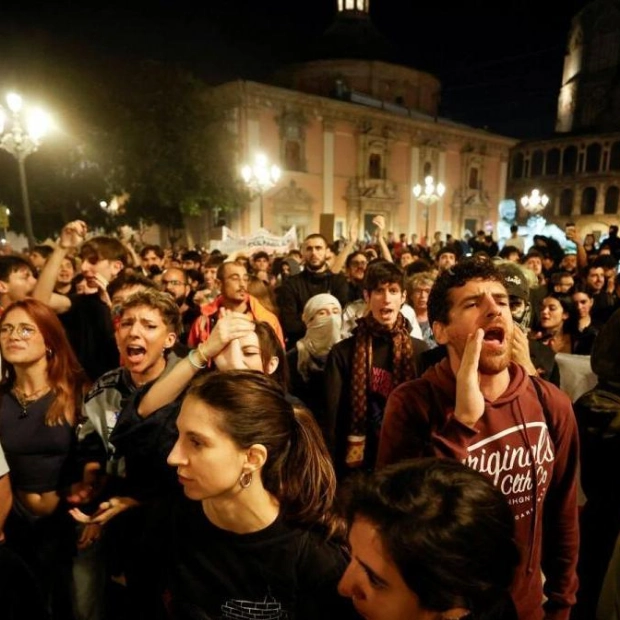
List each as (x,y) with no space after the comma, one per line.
(292,198)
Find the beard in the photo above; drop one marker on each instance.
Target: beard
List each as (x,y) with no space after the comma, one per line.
(318,267)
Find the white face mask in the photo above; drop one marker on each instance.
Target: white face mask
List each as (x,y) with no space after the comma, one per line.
(323,333)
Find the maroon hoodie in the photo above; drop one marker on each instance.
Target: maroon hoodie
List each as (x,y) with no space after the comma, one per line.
(532,458)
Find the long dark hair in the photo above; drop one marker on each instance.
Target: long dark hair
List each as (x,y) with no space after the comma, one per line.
(298,471)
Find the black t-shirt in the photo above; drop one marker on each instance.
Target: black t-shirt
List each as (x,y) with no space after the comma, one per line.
(280,572)
(37,454)
(88,325)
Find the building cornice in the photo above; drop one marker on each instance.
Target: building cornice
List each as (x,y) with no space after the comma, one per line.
(417,131)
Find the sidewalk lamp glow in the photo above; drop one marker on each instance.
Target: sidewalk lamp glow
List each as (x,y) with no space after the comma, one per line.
(428,195)
(260,177)
(21,131)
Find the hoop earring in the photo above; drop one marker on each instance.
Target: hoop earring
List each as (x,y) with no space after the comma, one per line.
(245,480)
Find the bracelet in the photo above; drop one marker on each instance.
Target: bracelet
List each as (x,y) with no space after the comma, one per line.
(193,362)
(206,360)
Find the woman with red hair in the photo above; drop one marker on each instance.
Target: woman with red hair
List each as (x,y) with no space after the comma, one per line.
(41,396)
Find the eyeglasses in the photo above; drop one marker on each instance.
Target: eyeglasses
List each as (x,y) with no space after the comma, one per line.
(23,331)
(173,282)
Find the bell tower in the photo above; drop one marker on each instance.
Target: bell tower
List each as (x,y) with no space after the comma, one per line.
(355,7)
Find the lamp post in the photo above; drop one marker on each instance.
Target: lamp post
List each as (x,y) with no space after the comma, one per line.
(428,195)
(535,202)
(260,177)
(21,132)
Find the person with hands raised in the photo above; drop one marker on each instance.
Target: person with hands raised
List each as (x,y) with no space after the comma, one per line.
(86,318)
(236,342)
(480,407)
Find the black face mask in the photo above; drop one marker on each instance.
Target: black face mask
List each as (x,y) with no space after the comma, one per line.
(154,270)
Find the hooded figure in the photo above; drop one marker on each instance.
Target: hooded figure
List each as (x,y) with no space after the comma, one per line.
(322,316)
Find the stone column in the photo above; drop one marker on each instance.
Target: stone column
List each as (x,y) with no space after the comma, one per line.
(414,171)
(328,167)
(440,223)
(253,147)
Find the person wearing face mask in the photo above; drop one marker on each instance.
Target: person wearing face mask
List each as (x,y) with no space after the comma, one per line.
(537,358)
(322,317)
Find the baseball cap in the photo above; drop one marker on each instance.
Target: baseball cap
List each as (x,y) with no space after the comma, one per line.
(515,281)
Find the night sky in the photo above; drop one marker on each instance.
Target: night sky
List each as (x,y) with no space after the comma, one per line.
(500,62)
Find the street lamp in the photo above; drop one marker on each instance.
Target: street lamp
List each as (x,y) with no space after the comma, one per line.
(428,195)
(21,131)
(260,177)
(535,202)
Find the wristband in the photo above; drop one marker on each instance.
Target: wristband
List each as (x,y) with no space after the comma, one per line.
(206,360)
(193,362)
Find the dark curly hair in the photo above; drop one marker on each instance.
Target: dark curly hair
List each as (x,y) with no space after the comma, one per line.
(473,268)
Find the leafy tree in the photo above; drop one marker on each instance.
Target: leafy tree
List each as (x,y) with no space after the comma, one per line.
(141,129)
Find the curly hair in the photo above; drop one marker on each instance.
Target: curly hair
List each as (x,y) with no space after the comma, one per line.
(473,268)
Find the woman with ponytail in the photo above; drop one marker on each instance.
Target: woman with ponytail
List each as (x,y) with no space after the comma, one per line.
(258,533)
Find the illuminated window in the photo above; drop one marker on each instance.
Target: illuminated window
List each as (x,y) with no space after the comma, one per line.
(340,5)
(374,166)
(350,5)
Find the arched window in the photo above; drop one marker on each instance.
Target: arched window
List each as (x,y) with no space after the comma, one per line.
(593,157)
(611,200)
(374,166)
(473,178)
(566,202)
(553,162)
(569,160)
(588,201)
(614,156)
(538,159)
(517,166)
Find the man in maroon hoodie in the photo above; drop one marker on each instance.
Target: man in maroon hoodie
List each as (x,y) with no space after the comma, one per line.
(481,408)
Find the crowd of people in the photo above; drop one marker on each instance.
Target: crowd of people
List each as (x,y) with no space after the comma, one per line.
(347,430)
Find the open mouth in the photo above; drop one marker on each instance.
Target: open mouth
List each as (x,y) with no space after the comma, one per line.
(135,354)
(494,335)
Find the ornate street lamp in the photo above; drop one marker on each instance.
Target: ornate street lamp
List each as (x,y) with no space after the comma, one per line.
(428,195)
(535,202)
(260,177)
(21,131)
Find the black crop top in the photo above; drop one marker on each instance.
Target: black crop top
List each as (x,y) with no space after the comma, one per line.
(36,453)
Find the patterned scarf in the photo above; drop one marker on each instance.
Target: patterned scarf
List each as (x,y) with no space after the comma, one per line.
(403,369)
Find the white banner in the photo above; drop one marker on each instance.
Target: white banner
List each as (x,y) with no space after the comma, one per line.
(262,240)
